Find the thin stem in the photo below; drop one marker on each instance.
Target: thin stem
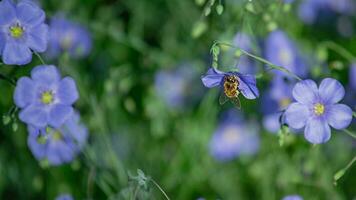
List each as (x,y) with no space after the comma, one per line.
(40,58)
(135,193)
(350,133)
(339,49)
(156,184)
(350,163)
(339,174)
(283,69)
(9,80)
(91,177)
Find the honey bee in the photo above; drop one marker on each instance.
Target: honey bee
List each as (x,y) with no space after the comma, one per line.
(231,91)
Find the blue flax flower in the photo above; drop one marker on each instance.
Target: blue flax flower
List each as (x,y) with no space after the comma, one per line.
(282,51)
(174,86)
(70,37)
(246,84)
(58,145)
(22,29)
(317,108)
(45,98)
(292,197)
(234,137)
(352,76)
(64,197)
(311,11)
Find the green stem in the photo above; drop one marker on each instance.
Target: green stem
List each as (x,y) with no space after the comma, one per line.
(342,171)
(135,193)
(339,49)
(9,80)
(40,58)
(156,184)
(350,133)
(354,114)
(280,68)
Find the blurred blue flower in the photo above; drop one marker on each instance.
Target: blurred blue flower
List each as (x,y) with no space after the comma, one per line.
(22,29)
(274,102)
(246,83)
(175,86)
(58,145)
(352,76)
(292,197)
(245,64)
(64,197)
(45,98)
(234,137)
(70,37)
(281,51)
(310,11)
(350,95)
(317,109)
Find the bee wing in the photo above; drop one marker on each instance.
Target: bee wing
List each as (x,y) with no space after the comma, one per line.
(223,98)
(236,102)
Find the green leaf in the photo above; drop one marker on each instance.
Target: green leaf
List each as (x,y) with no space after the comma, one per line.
(199,28)
(207,11)
(219,9)
(15,126)
(6,119)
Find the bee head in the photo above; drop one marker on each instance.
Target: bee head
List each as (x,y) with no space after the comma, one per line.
(231,79)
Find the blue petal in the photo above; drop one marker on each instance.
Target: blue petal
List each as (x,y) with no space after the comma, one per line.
(16,53)
(53,154)
(81,42)
(317,131)
(307,12)
(37,149)
(75,130)
(60,152)
(352,75)
(292,197)
(2,42)
(24,92)
(331,91)
(29,13)
(339,116)
(35,116)
(67,91)
(296,115)
(271,122)
(248,86)
(306,92)
(47,74)
(212,78)
(37,38)
(59,114)
(7,12)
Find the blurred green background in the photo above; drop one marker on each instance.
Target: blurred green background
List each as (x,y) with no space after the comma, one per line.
(132,127)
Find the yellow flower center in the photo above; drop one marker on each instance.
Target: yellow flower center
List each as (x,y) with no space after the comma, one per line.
(230,135)
(57,136)
(16,31)
(47,97)
(319,109)
(285,57)
(283,103)
(67,41)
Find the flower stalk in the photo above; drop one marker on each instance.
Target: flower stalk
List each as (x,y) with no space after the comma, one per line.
(280,68)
